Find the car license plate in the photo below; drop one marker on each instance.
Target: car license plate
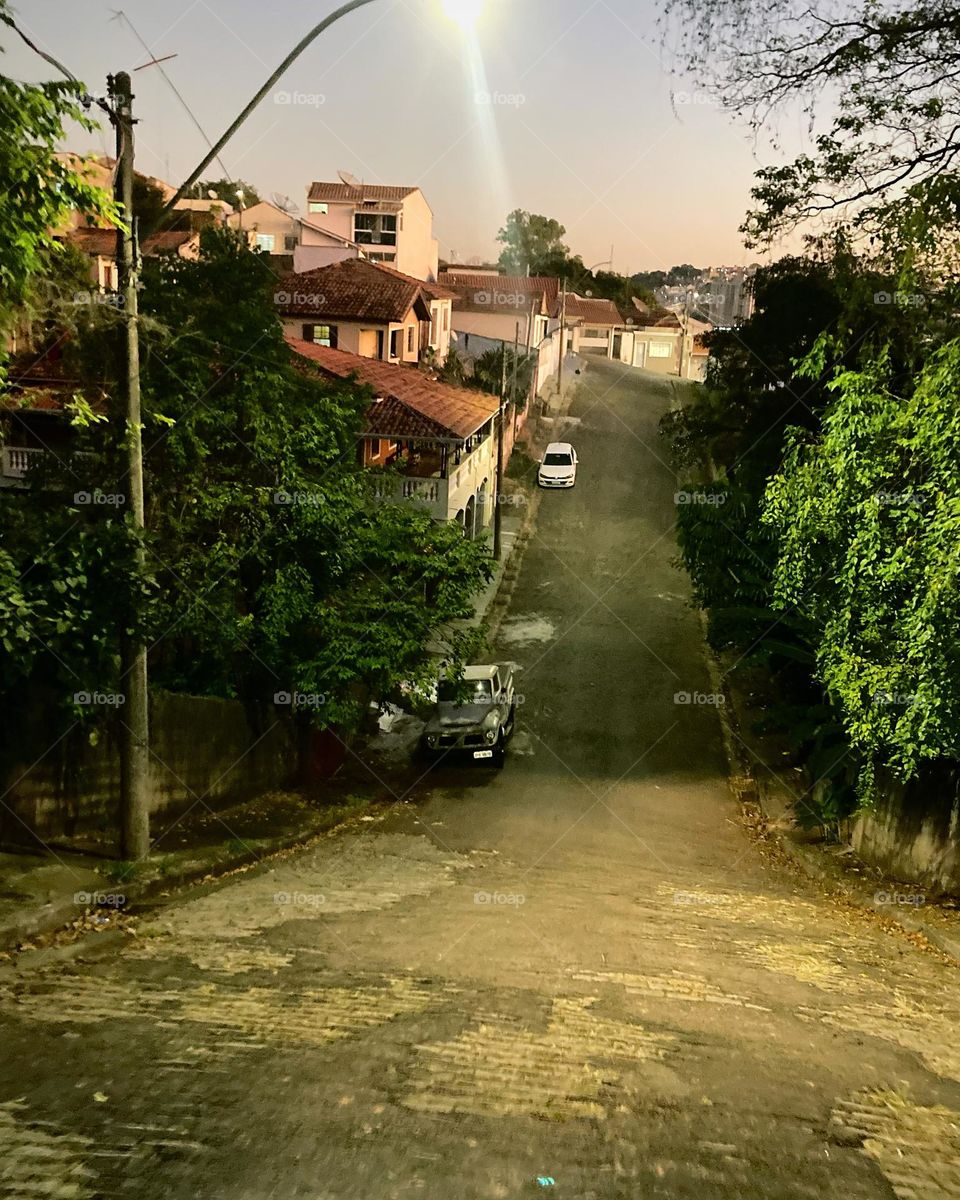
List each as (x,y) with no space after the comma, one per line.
(483,754)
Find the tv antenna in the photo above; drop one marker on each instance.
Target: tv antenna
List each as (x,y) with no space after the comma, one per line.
(284,203)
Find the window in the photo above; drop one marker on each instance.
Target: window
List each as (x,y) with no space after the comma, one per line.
(375,229)
(595,333)
(321,335)
(395,343)
(434,327)
(660,350)
(410,333)
(266,241)
(446,318)
(315,206)
(290,242)
(380,256)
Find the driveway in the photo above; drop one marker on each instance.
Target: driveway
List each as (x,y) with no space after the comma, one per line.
(575,978)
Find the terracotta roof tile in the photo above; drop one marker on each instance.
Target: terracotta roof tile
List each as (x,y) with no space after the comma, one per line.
(366,191)
(351,290)
(453,413)
(104,241)
(593,312)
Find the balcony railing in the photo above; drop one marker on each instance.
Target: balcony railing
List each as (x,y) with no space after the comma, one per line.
(17,460)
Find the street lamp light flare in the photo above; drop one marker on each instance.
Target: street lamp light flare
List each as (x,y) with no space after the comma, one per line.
(465,12)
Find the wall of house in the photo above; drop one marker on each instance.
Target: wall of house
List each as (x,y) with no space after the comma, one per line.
(913,834)
(476,475)
(417,250)
(201,749)
(267,219)
(309,258)
(500,327)
(592,338)
(442,311)
(645,356)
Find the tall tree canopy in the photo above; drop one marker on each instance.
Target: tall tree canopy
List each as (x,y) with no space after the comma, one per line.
(532,244)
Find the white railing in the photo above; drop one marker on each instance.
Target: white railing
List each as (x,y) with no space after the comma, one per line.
(17,460)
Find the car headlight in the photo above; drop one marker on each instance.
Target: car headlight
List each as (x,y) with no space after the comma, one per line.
(433,741)
(490,736)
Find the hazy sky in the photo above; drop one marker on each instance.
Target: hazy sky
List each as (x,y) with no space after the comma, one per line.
(568,113)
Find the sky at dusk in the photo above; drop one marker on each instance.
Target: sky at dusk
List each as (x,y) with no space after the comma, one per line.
(561,107)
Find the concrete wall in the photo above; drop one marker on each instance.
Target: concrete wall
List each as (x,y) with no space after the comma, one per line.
(914,833)
(201,749)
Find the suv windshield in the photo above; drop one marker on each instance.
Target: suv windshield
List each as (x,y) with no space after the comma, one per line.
(476,691)
(557,460)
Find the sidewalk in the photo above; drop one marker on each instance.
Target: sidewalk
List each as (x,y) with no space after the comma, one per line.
(55,898)
(769,796)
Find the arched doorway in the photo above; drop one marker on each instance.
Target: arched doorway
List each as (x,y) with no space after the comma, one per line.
(482,501)
(470,518)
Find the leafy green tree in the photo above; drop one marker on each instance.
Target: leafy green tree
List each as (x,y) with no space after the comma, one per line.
(867,520)
(878,83)
(532,244)
(226,190)
(37,191)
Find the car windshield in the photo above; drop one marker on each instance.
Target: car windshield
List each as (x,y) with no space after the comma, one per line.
(557,460)
(468,691)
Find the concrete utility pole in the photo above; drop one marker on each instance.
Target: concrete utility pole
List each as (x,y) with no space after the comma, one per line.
(135,730)
(563,338)
(501,415)
(684,324)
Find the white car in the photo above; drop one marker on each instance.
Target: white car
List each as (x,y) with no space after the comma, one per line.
(559,466)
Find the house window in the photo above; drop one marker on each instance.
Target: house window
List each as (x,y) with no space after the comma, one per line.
(395,342)
(321,335)
(380,256)
(661,350)
(266,241)
(315,206)
(446,318)
(434,327)
(410,333)
(375,229)
(290,242)
(594,333)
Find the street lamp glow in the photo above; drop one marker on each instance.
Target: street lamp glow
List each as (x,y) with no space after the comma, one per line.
(466,13)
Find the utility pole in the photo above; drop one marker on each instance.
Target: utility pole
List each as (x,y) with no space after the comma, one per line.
(563,338)
(513,386)
(683,329)
(135,730)
(501,414)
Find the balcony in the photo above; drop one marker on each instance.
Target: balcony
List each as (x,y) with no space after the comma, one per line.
(17,460)
(422,483)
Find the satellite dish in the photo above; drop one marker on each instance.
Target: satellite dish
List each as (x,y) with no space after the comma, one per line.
(212,195)
(284,203)
(349,179)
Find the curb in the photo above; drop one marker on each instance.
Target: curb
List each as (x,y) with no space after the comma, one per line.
(57,917)
(749,792)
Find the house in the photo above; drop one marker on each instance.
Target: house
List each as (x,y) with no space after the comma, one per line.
(594,324)
(368,309)
(440,438)
(390,225)
(275,231)
(492,306)
(100,246)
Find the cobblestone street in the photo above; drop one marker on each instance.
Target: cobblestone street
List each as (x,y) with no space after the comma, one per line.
(577,977)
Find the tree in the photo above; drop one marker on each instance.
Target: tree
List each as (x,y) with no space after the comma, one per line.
(878,81)
(226,190)
(532,245)
(37,191)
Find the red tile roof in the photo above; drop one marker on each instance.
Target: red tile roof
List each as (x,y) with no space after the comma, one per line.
(452,413)
(351,290)
(593,312)
(531,287)
(104,241)
(366,191)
